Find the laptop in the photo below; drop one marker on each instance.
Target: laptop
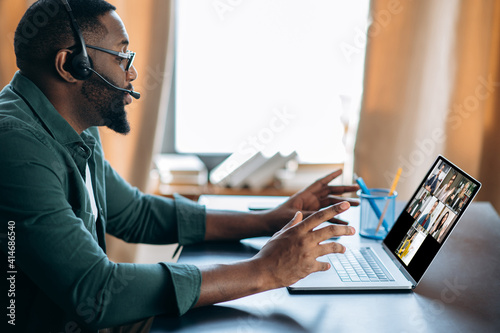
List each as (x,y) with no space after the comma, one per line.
(401,259)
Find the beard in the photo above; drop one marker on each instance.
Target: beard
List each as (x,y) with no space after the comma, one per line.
(105,105)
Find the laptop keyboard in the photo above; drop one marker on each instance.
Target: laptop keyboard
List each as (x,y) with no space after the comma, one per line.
(359,265)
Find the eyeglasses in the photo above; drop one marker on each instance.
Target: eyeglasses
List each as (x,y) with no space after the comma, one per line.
(129,55)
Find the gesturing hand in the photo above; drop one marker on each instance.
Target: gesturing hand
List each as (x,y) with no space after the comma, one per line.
(291,253)
(314,197)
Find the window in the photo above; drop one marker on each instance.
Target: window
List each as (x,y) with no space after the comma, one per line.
(266,75)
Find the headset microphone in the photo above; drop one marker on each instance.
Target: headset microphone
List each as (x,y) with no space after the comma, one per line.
(80,64)
(132,93)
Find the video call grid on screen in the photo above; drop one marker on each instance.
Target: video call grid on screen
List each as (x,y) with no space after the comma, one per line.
(431,215)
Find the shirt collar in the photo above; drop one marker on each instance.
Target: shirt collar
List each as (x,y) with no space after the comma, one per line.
(57,126)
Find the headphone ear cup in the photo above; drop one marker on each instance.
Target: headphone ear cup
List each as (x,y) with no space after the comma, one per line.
(79,66)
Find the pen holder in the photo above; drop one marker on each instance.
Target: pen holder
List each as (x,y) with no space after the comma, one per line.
(372,206)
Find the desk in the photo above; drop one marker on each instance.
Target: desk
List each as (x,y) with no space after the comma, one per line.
(459,293)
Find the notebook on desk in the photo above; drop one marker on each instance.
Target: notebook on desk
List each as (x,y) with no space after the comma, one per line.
(400,261)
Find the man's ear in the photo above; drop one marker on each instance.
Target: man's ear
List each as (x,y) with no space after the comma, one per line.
(63,65)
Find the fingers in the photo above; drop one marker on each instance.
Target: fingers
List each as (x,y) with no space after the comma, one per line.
(296,219)
(323,215)
(330,231)
(323,266)
(337,189)
(338,221)
(328,178)
(331,247)
(343,189)
(332,220)
(318,184)
(332,200)
(325,249)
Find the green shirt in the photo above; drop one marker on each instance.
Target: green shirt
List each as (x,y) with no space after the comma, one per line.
(64,279)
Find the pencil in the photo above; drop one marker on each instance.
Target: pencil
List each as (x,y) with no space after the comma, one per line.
(393,188)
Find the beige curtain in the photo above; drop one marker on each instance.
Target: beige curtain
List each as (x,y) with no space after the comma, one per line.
(10,15)
(149,24)
(431,87)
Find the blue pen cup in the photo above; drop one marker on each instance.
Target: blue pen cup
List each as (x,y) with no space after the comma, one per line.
(370,216)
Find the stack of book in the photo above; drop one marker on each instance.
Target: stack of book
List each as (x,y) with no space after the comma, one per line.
(175,169)
(255,171)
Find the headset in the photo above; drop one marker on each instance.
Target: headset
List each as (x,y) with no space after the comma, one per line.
(80,64)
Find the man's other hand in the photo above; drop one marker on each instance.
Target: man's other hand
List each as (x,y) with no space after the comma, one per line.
(311,199)
(291,254)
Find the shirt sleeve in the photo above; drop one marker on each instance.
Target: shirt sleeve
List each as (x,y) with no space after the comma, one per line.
(140,218)
(61,268)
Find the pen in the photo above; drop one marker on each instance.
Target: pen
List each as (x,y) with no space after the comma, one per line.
(177,250)
(365,190)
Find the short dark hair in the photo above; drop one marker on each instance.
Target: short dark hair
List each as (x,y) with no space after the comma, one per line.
(45,29)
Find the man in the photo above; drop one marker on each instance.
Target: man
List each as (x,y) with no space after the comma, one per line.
(459,201)
(432,182)
(59,196)
(415,207)
(426,219)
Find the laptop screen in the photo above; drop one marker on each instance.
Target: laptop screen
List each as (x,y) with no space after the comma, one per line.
(430,216)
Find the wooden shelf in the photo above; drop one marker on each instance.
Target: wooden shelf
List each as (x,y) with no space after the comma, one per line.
(302,177)
(193,192)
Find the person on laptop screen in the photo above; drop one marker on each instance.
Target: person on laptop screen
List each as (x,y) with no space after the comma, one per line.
(59,196)
(437,231)
(426,219)
(433,181)
(446,190)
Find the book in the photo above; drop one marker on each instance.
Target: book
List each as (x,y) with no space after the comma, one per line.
(252,170)
(266,172)
(175,169)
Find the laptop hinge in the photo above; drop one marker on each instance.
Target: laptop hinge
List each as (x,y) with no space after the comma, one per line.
(399,266)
